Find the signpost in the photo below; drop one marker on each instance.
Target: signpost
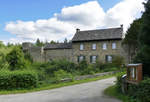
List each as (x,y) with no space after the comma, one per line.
(134,73)
(134,76)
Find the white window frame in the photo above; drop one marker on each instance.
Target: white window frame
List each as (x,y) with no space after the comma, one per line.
(104,46)
(93,46)
(81,58)
(114,45)
(109,58)
(81,46)
(94,58)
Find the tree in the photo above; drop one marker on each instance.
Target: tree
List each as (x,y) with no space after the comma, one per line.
(39,43)
(52,42)
(143,55)
(16,59)
(1,44)
(131,38)
(65,41)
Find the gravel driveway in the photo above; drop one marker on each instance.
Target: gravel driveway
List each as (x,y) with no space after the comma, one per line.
(86,92)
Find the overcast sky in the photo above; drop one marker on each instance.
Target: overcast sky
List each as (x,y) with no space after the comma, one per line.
(27,20)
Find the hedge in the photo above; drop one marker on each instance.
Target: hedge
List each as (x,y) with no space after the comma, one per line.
(17,79)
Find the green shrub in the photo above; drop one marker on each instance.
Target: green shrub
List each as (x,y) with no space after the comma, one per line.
(3,63)
(61,74)
(16,59)
(143,90)
(118,61)
(89,70)
(119,81)
(28,57)
(82,66)
(17,79)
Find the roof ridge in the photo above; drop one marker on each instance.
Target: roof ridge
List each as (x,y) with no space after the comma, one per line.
(101,29)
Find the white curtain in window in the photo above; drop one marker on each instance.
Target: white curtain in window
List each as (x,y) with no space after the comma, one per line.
(94,46)
(104,46)
(113,45)
(81,46)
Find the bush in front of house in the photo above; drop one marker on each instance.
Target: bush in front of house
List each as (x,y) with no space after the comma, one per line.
(118,61)
(16,59)
(18,79)
(61,74)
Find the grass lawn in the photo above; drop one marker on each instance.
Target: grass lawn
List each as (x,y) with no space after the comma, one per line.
(112,91)
(52,86)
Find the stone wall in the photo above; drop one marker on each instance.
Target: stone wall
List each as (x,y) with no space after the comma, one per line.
(35,52)
(53,54)
(87,52)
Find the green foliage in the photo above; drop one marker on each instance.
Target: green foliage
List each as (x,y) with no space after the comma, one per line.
(16,59)
(89,70)
(28,57)
(39,43)
(82,66)
(3,63)
(143,92)
(17,79)
(131,36)
(118,61)
(61,74)
(119,81)
(1,44)
(143,55)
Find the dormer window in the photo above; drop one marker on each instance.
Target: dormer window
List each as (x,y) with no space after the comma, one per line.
(113,45)
(93,46)
(81,47)
(104,46)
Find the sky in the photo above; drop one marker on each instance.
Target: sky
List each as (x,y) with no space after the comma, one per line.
(27,20)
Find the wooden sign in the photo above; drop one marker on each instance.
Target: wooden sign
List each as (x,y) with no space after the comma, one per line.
(134,73)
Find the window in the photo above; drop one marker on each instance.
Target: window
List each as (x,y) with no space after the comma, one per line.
(93,59)
(113,45)
(93,46)
(104,46)
(108,58)
(81,47)
(81,58)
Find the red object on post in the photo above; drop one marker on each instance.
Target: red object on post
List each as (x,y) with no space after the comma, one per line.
(134,73)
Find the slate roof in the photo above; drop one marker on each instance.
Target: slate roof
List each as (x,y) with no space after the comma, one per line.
(101,34)
(58,46)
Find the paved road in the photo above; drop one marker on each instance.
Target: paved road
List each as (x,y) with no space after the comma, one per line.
(87,92)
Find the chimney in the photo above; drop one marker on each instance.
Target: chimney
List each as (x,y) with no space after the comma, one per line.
(121,25)
(77,30)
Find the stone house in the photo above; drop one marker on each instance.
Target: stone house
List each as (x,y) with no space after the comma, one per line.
(91,45)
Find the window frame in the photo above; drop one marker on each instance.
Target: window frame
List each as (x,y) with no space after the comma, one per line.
(114,44)
(104,48)
(79,60)
(94,47)
(81,47)
(107,58)
(91,58)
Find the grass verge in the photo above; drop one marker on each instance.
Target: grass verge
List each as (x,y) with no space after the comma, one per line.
(52,86)
(112,91)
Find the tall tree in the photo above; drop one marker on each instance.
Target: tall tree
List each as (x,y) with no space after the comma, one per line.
(65,40)
(143,55)
(1,44)
(39,43)
(52,42)
(131,39)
